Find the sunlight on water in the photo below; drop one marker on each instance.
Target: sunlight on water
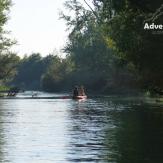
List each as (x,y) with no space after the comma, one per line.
(65,130)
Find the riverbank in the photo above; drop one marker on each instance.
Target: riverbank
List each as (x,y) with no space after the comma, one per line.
(4,88)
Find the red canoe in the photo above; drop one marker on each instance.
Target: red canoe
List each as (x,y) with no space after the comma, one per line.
(79,97)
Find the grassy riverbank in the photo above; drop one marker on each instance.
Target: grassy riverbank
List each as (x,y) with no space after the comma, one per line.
(4,88)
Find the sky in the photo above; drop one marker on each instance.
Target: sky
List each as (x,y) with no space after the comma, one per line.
(36,26)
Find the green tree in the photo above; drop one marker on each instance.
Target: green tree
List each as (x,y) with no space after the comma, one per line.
(124,32)
(95,64)
(29,72)
(58,75)
(8,60)
(8,66)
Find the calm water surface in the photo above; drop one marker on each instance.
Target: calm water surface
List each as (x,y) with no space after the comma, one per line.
(104,130)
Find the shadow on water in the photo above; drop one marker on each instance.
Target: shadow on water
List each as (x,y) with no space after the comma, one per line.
(138,135)
(120,131)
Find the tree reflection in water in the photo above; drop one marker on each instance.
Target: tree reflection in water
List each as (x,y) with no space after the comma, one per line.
(137,137)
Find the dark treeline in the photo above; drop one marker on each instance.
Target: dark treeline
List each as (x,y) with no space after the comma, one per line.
(107,50)
(40,73)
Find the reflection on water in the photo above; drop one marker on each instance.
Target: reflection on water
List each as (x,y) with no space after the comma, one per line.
(113,130)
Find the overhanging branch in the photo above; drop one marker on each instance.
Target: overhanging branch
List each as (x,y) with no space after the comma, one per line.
(91,9)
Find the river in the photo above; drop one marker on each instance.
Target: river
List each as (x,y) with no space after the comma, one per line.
(106,130)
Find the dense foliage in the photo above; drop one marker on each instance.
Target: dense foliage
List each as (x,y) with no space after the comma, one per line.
(31,70)
(108,43)
(8,60)
(108,49)
(124,29)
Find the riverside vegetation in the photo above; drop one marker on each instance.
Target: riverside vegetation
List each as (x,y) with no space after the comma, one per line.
(107,50)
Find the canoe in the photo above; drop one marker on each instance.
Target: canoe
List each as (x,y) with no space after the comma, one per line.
(53,97)
(79,97)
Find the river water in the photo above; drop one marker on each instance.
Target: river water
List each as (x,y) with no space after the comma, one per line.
(105,130)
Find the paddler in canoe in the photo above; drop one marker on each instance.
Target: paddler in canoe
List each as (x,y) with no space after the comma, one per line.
(79,93)
(75,92)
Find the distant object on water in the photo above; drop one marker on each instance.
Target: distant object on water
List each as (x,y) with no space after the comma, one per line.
(79,93)
(79,97)
(34,94)
(13,91)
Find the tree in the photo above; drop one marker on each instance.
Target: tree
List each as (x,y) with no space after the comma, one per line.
(8,60)
(8,66)
(57,77)
(125,34)
(29,71)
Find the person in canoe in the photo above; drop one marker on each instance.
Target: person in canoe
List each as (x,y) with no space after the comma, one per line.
(81,91)
(75,92)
